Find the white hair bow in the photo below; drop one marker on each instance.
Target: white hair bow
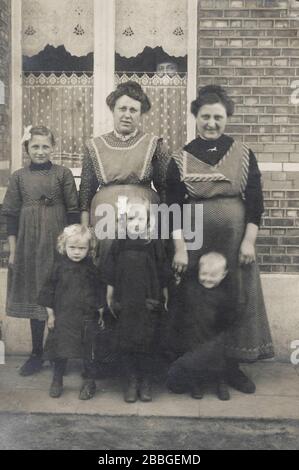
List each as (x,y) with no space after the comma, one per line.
(27,134)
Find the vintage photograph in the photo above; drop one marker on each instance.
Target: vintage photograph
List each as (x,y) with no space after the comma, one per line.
(149,226)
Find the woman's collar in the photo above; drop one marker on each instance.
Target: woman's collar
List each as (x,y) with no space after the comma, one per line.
(212,144)
(40,166)
(126,137)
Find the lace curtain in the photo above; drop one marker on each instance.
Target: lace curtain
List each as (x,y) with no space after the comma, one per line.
(167,117)
(57,22)
(154,23)
(65,105)
(64,102)
(139,23)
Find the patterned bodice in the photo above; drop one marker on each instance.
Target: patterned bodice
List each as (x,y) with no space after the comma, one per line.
(227,178)
(48,187)
(122,164)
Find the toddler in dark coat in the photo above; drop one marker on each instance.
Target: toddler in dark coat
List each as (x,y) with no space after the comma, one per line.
(203,329)
(73,298)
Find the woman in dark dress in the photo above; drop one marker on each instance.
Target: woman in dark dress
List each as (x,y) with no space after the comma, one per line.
(122,163)
(222,174)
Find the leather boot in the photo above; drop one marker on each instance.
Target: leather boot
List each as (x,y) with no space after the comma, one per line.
(222,390)
(145,390)
(88,389)
(131,389)
(238,380)
(196,389)
(56,388)
(33,365)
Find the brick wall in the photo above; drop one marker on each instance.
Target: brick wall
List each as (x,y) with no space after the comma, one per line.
(4,113)
(278,243)
(251,47)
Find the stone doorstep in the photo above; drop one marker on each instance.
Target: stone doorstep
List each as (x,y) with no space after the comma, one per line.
(276,398)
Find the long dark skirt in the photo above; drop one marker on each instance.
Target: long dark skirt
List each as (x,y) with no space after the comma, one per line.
(249,339)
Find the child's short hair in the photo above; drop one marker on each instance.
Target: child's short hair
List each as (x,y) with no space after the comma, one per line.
(213,258)
(76,230)
(138,201)
(40,130)
(142,201)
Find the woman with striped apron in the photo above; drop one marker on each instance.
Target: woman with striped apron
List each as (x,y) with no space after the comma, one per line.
(222,175)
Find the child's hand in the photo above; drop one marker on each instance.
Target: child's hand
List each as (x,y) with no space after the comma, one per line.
(166,298)
(177,278)
(51,318)
(51,323)
(110,306)
(11,259)
(109,299)
(101,322)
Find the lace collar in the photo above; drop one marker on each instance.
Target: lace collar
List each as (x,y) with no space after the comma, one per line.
(125,137)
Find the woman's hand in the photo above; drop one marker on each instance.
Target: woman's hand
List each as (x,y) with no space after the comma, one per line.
(247,252)
(247,248)
(180,259)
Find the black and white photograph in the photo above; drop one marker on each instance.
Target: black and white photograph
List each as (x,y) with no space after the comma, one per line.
(149,228)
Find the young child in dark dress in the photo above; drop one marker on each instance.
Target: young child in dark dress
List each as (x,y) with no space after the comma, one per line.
(204,328)
(137,275)
(73,299)
(40,201)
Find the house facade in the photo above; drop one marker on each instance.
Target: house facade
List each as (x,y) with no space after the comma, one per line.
(59,60)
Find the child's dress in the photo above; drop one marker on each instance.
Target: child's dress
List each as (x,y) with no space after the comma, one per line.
(37,203)
(75,294)
(138,270)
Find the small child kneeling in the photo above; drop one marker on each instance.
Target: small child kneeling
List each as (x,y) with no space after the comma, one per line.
(203,329)
(72,296)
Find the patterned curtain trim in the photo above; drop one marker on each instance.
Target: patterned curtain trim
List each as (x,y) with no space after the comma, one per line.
(56,22)
(155,80)
(84,79)
(55,80)
(154,23)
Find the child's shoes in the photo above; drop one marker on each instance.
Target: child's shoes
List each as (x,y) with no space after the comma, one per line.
(196,390)
(131,389)
(33,365)
(145,390)
(177,380)
(56,388)
(222,391)
(88,390)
